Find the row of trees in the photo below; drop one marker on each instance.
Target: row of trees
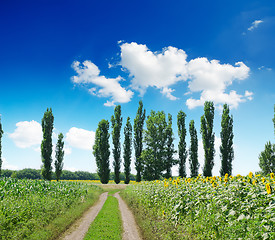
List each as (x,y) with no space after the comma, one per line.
(29,173)
(46,148)
(157,158)
(267,157)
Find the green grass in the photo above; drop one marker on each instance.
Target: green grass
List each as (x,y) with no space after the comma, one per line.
(107,224)
(33,209)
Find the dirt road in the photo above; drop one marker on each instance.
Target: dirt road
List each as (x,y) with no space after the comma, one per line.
(79,229)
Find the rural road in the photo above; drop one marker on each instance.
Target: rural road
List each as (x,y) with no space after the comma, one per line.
(129,224)
(78,230)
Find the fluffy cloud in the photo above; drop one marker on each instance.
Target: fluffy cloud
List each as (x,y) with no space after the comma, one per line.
(255,24)
(149,69)
(212,78)
(88,73)
(162,70)
(27,134)
(80,138)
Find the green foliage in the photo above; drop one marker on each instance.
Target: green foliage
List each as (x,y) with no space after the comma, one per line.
(27,206)
(274,119)
(158,155)
(169,161)
(226,148)
(107,224)
(116,125)
(193,151)
(101,151)
(138,131)
(208,138)
(59,156)
(182,143)
(46,145)
(127,147)
(1,134)
(267,158)
(207,207)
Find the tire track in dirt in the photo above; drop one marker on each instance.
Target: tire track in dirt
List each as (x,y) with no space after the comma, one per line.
(78,230)
(130,227)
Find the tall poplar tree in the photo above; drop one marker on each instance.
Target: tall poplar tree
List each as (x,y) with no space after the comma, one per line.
(116,125)
(182,143)
(1,134)
(101,151)
(46,145)
(208,138)
(193,150)
(59,156)
(138,132)
(226,148)
(127,147)
(169,161)
(267,157)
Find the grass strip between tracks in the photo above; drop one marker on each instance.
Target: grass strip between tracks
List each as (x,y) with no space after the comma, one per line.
(107,224)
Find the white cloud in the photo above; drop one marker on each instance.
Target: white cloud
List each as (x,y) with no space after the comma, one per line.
(27,134)
(254,25)
(6,165)
(162,70)
(212,78)
(167,92)
(109,104)
(80,138)
(89,73)
(153,69)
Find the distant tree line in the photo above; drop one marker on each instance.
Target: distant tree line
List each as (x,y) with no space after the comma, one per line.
(29,173)
(154,149)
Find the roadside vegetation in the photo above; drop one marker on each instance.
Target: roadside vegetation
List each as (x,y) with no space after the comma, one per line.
(240,207)
(35,209)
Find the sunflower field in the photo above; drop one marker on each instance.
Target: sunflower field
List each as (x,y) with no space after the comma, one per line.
(229,207)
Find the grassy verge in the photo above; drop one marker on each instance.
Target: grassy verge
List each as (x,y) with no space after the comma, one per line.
(107,224)
(64,221)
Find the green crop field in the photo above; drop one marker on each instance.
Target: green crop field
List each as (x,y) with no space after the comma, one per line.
(27,206)
(240,207)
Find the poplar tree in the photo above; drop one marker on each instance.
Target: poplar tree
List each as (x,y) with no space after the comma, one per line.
(193,150)
(138,132)
(267,157)
(182,144)
(226,148)
(101,151)
(1,134)
(116,125)
(46,145)
(208,138)
(127,147)
(59,156)
(169,161)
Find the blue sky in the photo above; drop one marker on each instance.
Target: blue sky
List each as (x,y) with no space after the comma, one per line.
(83,57)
